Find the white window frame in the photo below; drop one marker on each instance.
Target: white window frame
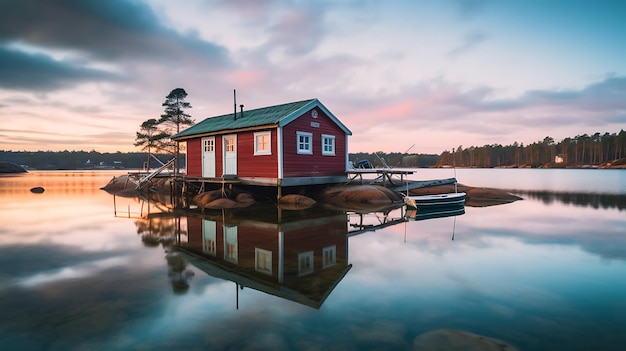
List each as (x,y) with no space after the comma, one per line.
(309,150)
(209,144)
(231,244)
(305,263)
(329,256)
(325,152)
(268,134)
(265,267)
(209,243)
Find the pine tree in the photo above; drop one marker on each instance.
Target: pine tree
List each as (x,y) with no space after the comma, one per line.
(173,118)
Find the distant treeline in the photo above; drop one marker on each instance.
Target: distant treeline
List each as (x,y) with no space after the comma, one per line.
(580,151)
(53,160)
(395,159)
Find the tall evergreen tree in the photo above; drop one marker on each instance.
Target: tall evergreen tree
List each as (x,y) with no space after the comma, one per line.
(174,117)
(149,137)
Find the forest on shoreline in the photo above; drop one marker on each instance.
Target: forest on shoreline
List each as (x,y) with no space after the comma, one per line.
(583,151)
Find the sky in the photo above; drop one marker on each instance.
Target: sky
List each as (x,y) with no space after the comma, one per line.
(425,76)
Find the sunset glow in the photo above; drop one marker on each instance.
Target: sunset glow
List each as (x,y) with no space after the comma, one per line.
(437,74)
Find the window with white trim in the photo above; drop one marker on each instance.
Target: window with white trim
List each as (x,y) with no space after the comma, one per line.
(262,143)
(263,260)
(230,143)
(305,263)
(328,145)
(231,244)
(329,256)
(305,143)
(209,243)
(209,145)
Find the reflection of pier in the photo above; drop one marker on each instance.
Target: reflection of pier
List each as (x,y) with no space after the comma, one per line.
(300,258)
(362,222)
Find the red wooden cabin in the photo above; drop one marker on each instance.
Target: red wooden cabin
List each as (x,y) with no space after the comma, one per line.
(298,143)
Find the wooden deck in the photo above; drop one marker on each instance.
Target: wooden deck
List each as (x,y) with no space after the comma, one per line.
(200,182)
(393,179)
(384,176)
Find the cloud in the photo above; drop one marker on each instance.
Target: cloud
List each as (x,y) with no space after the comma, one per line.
(102,29)
(376,68)
(470,8)
(298,31)
(114,33)
(39,72)
(470,41)
(431,108)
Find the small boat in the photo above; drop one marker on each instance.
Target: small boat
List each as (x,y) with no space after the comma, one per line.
(437,200)
(434,212)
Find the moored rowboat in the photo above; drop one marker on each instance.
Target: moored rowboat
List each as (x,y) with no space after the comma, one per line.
(434,212)
(437,200)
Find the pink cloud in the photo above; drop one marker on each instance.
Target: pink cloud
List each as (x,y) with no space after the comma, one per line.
(246,78)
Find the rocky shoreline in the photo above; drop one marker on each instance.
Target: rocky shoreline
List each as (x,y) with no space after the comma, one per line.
(340,197)
(8,167)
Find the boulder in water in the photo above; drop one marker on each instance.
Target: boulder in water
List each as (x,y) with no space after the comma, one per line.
(37,190)
(360,194)
(207,197)
(221,203)
(244,199)
(121,186)
(295,202)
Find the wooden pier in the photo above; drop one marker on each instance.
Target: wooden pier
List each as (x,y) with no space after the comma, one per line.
(393,179)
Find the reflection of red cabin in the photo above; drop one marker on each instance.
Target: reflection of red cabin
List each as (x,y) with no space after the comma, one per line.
(301,260)
(298,143)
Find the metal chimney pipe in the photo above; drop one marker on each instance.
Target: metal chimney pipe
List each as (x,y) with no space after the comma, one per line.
(241,115)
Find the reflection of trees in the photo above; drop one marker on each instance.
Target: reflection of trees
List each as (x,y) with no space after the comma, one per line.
(177,272)
(164,231)
(605,201)
(159,230)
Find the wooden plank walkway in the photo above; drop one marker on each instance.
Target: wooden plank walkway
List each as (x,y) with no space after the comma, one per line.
(389,179)
(383,175)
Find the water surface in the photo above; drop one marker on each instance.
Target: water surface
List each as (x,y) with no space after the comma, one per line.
(82,271)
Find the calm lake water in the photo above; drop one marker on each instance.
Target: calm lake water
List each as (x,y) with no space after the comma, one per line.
(80,269)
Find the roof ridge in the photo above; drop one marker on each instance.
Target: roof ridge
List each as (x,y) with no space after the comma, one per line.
(257,117)
(279,105)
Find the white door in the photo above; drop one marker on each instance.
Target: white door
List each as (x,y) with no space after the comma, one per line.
(231,244)
(208,157)
(209,237)
(230,154)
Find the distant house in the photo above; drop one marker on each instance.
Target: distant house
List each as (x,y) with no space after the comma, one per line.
(297,143)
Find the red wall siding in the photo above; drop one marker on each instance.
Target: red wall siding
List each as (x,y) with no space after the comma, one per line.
(266,166)
(296,241)
(219,156)
(194,230)
(249,165)
(194,157)
(297,165)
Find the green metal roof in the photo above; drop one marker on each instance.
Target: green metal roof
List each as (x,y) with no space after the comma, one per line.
(271,115)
